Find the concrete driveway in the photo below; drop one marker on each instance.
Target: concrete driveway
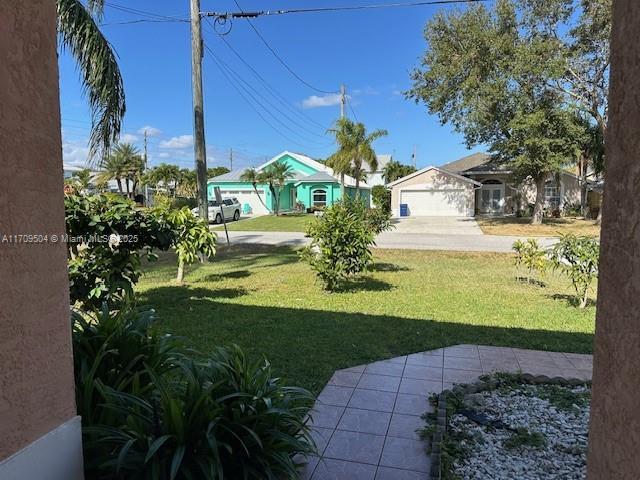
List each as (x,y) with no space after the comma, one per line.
(437,225)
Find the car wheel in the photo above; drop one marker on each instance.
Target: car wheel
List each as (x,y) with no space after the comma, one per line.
(218,218)
(236,215)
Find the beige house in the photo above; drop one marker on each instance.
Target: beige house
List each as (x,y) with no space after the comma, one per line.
(476,185)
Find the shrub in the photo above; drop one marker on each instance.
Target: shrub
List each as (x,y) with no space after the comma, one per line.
(149,412)
(106,236)
(381,198)
(191,235)
(577,257)
(531,256)
(341,239)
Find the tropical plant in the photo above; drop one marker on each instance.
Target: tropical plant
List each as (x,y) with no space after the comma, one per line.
(276,176)
(340,242)
(188,183)
(107,235)
(165,174)
(354,149)
(252,176)
(578,257)
(100,75)
(394,170)
(191,235)
(150,412)
(381,197)
(530,256)
(123,163)
(81,179)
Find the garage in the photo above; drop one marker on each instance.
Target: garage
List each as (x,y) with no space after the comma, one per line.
(435,203)
(433,192)
(247,197)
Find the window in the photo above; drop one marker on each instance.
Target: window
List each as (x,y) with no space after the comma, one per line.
(552,194)
(319,198)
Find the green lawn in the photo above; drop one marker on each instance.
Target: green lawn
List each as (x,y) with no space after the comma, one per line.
(268,302)
(271,223)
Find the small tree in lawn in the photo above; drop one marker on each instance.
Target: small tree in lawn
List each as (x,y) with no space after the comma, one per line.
(578,257)
(531,256)
(192,236)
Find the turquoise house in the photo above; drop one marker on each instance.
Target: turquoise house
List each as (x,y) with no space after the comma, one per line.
(313,185)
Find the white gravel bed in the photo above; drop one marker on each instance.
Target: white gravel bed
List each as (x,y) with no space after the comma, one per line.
(562,456)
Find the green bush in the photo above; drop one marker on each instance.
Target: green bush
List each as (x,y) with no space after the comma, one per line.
(578,257)
(530,256)
(381,197)
(150,412)
(341,239)
(107,235)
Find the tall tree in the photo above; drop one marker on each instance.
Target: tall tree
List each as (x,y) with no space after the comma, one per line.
(500,77)
(99,71)
(216,171)
(394,170)
(276,176)
(355,149)
(252,176)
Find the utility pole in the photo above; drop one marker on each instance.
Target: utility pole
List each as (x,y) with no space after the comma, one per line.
(146,167)
(414,156)
(343,99)
(198,109)
(231,159)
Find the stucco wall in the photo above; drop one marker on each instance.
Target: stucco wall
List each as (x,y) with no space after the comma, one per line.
(569,190)
(433,179)
(36,369)
(614,435)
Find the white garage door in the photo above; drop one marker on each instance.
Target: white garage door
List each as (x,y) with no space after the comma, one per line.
(436,203)
(249,197)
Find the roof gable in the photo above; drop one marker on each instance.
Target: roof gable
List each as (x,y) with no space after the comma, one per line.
(426,169)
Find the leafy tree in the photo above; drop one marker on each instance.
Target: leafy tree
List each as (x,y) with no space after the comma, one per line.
(578,258)
(166,175)
(275,175)
(512,77)
(354,150)
(99,71)
(123,163)
(216,171)
(188,183)
(531,256)
(252,176)
(82,179)
(394,170)
(113,168)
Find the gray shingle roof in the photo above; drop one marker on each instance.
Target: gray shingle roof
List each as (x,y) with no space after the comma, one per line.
(319,177)
(477,162)
(233,176)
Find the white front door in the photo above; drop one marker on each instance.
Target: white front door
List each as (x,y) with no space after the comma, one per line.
(492,199)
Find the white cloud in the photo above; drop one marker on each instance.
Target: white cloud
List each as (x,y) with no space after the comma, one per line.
(163,155)
(183,141)
(128,138)
(151,131)
(366,91)
(315,101)
(75,153)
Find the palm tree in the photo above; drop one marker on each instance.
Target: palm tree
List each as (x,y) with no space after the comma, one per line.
(124,163)
(82,179)
(99,71)
(188,184)
(354,149)
(276,175)
(251,175)
(395,170)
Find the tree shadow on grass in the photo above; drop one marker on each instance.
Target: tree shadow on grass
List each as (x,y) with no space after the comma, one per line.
(305,345)
(216,277)
(388,267)
(572,300)
(364,284)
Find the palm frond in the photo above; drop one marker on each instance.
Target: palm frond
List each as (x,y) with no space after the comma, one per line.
(99,70)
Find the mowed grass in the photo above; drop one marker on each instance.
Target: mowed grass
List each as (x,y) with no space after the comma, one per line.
(270,223)
(550,227)
(268,302)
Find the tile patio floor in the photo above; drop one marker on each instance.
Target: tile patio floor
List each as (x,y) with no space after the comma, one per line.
(365,419)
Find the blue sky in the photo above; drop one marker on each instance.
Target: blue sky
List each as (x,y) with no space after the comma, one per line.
(372,52)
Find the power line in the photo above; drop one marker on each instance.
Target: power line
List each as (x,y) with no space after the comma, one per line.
(238,87)
(275,93)
(144,13)
(351,108)
(261,13)
(279,58)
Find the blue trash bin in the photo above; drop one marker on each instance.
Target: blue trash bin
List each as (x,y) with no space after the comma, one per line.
(404,210)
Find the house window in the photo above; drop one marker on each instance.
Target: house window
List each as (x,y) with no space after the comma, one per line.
(552,194)
(319,198)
